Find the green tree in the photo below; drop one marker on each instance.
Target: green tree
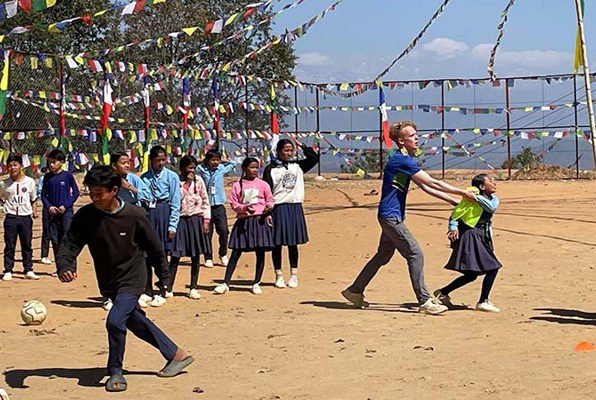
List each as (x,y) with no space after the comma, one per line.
(525,160)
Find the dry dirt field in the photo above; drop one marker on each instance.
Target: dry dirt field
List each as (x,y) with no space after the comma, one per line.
(307,343)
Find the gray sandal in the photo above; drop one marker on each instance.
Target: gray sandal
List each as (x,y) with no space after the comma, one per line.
(116,383)
(174,367)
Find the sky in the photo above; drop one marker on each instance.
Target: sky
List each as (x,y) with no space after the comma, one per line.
(361,37)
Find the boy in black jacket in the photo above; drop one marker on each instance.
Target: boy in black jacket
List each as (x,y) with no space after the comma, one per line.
(118,236)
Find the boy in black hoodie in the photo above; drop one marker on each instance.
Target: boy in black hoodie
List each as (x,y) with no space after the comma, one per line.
(118,236)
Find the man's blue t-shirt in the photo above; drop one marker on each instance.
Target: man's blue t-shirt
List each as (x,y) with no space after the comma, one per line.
(396,181)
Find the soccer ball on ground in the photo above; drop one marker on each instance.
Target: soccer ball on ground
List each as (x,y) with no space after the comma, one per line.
(33,312)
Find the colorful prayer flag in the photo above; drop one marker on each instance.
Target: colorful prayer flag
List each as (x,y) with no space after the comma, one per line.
(579,58)
(384,117)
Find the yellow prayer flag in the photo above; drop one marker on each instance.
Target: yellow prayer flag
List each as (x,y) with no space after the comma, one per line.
(190,31)
(55,142)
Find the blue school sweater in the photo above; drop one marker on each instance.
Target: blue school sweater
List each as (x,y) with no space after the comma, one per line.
(59,190)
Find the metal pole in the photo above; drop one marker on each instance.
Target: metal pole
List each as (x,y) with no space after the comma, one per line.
(508,119)
(380,145)
(580,25)
(442,129)
(246,115)
(296,110)
(576,128)
(318,132)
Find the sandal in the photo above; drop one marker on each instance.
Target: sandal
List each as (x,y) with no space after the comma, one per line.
(174,367)
(116,383)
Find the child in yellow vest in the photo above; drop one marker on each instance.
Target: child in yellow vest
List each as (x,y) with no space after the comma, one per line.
(470,234)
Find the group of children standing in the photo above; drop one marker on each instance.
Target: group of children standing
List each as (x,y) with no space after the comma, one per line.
(19,195)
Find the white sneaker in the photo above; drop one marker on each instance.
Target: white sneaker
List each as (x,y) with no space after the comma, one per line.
(224,260)
(209,263)
(46,260)
(194,294)
(107,305)
(144,301)
(256,289)
(293,281)
(158,301)
(31,275)
(280,282)
(169,294)
(432,307)
(487,306)
(222,288)
(7,276)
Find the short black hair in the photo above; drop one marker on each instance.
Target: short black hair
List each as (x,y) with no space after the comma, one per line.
(57,154)
(115,157)
(14,158)
(282,143)
(211,154)
(155,151)
(102,175)
(479,180)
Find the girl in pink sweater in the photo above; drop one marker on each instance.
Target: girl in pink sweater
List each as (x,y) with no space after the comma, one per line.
(252,201)
(191,238)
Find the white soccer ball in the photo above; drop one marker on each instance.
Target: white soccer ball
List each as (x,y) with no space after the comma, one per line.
(33,312)
(3,394)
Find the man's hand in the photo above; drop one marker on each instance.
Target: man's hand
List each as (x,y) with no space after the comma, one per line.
(67,276)
(61,210)
(453,235)
(53,210)
(469,195)
(34,213)
(171,235)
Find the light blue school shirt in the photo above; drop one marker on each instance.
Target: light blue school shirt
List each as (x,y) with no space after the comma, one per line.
(143,195)
(164,186)
(214,181)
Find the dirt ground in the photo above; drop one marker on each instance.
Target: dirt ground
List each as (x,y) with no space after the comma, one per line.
(307,343)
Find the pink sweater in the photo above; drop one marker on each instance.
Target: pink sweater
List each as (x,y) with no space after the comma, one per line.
(194,199)
(255,193)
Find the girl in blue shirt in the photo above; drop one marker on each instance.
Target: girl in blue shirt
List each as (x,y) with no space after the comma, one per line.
(163,210)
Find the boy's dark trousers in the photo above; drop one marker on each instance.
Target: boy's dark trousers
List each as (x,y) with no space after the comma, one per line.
(219,219)
(58,226)
(21,226)
(126,314)
(45,233)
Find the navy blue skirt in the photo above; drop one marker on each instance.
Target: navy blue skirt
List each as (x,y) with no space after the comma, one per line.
(473,251)
(249,234)
(289,225)
(190,241)
(159,219)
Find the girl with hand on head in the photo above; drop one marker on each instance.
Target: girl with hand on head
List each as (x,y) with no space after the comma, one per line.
(285,176)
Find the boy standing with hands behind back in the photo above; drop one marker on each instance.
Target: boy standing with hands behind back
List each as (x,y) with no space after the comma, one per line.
(58,195)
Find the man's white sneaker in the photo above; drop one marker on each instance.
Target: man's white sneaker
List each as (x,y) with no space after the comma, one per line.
(224,260)
(144,300)
(7,276)
(31,275)
(158,301)
(107,305)
(280,282)
(194,294)
(432,307)
(169,294)
(46,260)
(293,281)
(256,289)
(209,263)
(222,288)
(487,306)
